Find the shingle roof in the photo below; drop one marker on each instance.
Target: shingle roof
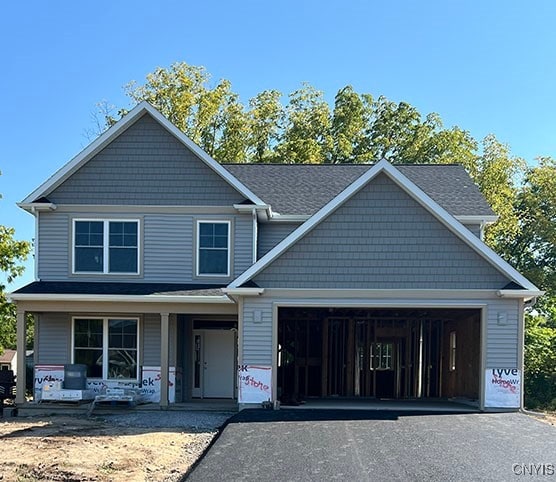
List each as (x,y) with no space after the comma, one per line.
(142,289)
(8,356)
(305,188)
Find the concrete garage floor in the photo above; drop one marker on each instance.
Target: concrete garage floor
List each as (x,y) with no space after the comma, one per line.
(427,405)
(317,445)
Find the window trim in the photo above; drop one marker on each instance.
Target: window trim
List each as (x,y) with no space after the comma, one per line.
(105,338)
(106,246)
(198,223)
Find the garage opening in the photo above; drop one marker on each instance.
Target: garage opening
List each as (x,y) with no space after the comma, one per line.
(378,353)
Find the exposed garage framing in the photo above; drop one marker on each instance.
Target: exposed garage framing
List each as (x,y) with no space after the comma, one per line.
(395,351)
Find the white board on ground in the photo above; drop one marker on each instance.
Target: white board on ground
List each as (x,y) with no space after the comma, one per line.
(502,388)
(254,383)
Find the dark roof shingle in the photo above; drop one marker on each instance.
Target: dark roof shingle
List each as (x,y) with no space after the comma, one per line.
(305,188)
(141,289)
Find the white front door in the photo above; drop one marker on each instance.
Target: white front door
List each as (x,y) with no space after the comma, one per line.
(217,364)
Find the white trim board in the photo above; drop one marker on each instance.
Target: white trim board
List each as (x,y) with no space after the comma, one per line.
(416,193)
(120,298)
(108,136)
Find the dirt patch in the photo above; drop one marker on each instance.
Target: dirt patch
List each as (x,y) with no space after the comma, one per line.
(78,449)
(547,417)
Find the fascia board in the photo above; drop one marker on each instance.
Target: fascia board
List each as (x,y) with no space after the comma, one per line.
(120,298)
(472,219)
(414,191)
(34,207)
(105,138)
(289,218)
(249,207)
(243,291)
(525,294)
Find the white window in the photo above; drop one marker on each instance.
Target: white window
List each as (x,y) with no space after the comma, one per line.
(452,364)
(106,246)
(381,356)
(213,248)
(107,346)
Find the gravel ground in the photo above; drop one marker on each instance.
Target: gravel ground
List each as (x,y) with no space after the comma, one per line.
(151,446)
(194,420)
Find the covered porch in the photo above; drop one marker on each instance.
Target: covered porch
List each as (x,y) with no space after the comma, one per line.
(188,338)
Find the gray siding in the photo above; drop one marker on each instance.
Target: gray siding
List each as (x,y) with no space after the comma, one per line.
(502,337)
(381,238)
(146,165)
(167,247)
(53,246)
(151,340)
(54,339)
(475,229)
(257,337)
(270,234)
(243,241)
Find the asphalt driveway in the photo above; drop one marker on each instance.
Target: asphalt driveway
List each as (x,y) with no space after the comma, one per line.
(318,445)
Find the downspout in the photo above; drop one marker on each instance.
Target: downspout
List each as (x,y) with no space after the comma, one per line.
(255,234)
(36,213)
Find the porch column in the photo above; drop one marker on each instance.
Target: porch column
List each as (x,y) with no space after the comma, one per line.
(164,358)
(21,367)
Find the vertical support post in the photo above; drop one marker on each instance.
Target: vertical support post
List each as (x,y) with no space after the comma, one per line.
(21,367)
(164,358)
(520,350)
(420,362)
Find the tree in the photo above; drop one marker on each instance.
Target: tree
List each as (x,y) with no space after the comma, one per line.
(12,253)
(265,119)
(349,129)
(540,357)
(532,249)
(306,138)
(495,173)
(176,92)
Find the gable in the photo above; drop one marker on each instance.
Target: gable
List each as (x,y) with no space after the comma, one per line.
(380,238)
(145,165)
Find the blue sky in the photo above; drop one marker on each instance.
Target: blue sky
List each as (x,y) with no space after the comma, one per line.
(486,66)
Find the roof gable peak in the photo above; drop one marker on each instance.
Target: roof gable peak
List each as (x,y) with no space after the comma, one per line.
(383,166)
(116,130)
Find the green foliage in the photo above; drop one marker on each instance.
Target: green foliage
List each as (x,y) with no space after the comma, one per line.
(306,138)
(265,123)
(495,173)
(350,127)
(533,248)
(540,361)
(12,253)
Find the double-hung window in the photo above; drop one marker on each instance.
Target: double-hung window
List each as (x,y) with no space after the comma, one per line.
(213,248)
(107,346)
(106,246)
